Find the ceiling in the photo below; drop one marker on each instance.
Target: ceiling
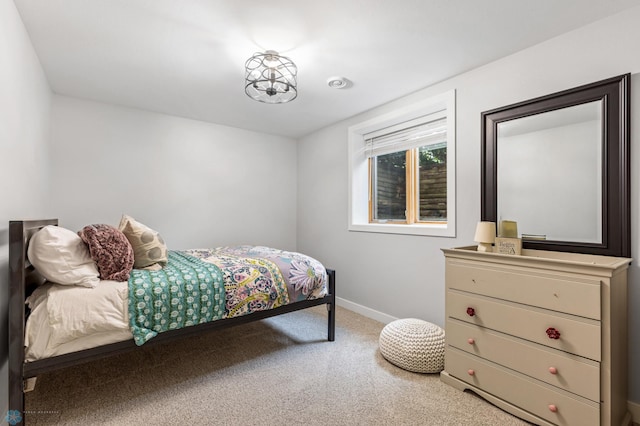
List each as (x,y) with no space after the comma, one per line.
(186,57)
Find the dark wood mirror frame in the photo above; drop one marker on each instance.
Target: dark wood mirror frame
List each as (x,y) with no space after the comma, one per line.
(614,94)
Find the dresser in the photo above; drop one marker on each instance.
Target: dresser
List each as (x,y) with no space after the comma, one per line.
(542,335)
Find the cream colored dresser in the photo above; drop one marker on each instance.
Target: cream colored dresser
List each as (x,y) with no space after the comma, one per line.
(542,335)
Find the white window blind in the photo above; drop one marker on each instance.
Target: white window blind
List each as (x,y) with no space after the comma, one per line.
(427,130)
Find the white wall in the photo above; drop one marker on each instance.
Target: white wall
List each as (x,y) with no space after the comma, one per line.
(25,100)
(198,184)
(403,276)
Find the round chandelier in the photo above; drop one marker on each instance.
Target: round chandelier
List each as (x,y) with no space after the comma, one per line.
(271,78)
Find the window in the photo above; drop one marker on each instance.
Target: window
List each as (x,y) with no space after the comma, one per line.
(402,170)
(408,172)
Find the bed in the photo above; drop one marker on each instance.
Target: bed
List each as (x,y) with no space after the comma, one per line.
(227,293)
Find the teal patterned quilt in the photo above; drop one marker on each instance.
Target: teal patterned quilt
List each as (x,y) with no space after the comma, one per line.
(204,285)
(187,291)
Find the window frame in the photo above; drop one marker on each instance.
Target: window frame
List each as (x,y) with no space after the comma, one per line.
(360,169)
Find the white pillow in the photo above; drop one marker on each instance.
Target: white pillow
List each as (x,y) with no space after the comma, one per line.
(62,257)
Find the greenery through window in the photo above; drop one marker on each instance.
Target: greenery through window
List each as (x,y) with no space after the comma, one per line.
(409,186)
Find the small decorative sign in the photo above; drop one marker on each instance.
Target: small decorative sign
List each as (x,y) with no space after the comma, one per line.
(508,245)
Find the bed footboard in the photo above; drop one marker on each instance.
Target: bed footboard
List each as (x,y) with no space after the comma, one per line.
(331,305)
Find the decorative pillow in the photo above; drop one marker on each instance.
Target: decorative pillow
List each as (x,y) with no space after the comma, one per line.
(148,246)
(62,257)
(110,249)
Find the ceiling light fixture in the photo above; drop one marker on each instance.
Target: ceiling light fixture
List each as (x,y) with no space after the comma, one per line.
(271,78)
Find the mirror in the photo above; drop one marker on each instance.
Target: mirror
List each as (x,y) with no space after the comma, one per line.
(559,166)
(550,167)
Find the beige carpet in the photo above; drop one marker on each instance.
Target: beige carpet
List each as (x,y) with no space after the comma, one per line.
(279,371)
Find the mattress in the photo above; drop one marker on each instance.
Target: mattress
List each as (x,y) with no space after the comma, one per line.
(66,319)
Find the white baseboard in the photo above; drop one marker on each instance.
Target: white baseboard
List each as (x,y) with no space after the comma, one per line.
(363,310)
(634,409)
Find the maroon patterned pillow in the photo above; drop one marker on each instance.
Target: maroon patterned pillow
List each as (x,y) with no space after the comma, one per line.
(110,249)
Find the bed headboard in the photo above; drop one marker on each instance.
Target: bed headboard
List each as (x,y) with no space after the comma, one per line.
(22,278)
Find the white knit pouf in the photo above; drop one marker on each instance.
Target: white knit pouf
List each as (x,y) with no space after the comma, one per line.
(413,345)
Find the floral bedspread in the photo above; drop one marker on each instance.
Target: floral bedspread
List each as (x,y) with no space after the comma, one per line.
(296,276)
(205,285)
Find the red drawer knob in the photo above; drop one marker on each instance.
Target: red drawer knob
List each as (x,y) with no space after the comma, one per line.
(471,312)
(553,333)
(471,372)
(471,340)
(553,370)
(553,408)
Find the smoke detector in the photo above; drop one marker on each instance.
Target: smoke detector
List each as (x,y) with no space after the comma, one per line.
(338,82)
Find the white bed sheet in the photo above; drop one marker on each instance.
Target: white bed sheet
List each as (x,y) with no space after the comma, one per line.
(66,319)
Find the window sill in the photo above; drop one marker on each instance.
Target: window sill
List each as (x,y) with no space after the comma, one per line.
(434,230)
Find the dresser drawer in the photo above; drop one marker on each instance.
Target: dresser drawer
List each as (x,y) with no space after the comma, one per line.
(578,336)
(577,296)
(526,393)
(569,372)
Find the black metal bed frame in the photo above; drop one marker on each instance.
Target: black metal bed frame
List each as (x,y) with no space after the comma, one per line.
(23,278)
